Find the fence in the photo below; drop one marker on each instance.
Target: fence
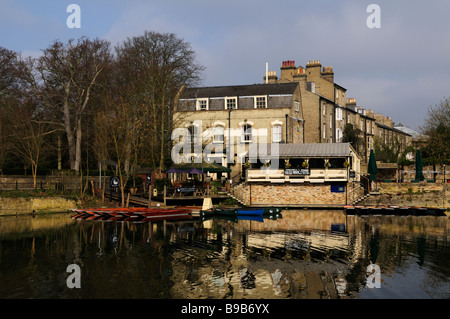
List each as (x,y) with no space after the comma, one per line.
(26,183)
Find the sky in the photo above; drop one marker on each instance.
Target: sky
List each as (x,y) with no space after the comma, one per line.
(399,69)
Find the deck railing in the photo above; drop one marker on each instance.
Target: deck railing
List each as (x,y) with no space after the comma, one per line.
(312,175)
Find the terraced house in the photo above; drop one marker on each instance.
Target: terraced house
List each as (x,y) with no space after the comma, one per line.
(302,106)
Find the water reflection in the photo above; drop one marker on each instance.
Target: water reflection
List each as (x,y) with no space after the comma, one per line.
(304,254)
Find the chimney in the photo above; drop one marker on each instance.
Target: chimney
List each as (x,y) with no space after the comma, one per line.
(271,77)
(288,70)
(313,69)
(299,74)
(327,73)
(351,101)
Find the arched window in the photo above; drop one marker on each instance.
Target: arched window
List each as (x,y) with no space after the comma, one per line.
(246,133)
(276,131)
(218,134)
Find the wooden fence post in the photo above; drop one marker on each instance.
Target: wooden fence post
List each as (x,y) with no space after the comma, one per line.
(165,189)
(150,196)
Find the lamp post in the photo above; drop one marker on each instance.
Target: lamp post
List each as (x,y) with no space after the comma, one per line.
(228,156)
(444,185)
(444,174)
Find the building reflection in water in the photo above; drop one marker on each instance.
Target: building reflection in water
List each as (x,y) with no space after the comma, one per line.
(305,254)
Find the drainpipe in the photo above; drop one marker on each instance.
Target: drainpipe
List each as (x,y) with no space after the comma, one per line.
(286,128)
(229,142)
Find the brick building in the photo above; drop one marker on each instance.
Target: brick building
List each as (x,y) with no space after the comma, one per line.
(302,106)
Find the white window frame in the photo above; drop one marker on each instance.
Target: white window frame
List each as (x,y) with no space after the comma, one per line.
(339,135)
(296,106)
(339,116)
(245,136)
(255,101)
(201,101)
(215,140)
(277,133)
(231,99)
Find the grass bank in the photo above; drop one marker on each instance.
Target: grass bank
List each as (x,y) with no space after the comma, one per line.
(16,202)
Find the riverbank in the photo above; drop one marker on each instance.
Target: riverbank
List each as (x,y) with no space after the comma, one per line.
(37,202)
(410,194)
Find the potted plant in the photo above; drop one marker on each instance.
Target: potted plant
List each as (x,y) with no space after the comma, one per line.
(305,164)
(346,164)
(287,164)
(327,164)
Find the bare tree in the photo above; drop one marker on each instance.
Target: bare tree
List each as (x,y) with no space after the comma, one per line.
(12,87)
(68,75)
(437,130)
(156,66)
(28,134)
(126,133)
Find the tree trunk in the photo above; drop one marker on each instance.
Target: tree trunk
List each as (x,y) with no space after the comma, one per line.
(78,146)
(161,161)
(68,128)
(59,153)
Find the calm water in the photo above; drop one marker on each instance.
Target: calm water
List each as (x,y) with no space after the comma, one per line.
(307,254)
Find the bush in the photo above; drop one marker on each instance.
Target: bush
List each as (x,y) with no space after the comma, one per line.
(159,184)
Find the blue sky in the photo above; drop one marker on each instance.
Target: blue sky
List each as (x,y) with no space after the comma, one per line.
(399,69)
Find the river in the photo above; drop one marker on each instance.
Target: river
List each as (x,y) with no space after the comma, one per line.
(305,254)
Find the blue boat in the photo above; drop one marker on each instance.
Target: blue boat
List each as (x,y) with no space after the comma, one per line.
(250,212)
(251,217)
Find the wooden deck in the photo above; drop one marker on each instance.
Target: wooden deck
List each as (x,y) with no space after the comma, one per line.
(159,200)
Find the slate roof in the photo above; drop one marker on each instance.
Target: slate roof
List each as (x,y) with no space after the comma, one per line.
(239,90)
(407,130)
(322,150)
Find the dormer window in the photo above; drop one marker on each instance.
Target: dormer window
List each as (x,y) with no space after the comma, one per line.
(230,103)
(260,102)
(202,104)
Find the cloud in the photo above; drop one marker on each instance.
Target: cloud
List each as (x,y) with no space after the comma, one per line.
(399,69)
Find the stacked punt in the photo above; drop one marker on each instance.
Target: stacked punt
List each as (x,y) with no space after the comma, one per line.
(131,214)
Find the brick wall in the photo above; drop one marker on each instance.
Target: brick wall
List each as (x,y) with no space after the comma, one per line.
(290,194)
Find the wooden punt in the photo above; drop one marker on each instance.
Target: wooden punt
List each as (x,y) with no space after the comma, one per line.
(129,214)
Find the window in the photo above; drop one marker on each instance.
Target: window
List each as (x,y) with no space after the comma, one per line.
(246,133)
(324,133)
(296,106)
(260,102)
(324,109)
(192,134)
(339,135)
(230,103)
(202,104)
(218,134)
(339,114)
(276,133)
(331,121)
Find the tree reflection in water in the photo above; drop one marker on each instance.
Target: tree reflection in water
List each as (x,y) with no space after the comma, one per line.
(305,254)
